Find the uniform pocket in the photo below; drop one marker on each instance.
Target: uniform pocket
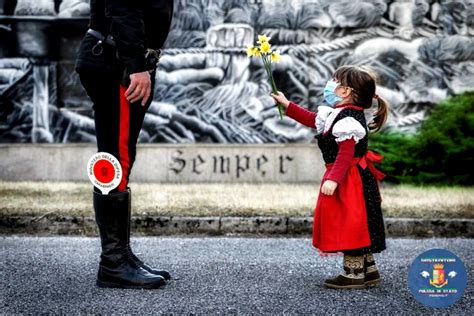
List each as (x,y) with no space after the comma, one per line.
(86,58)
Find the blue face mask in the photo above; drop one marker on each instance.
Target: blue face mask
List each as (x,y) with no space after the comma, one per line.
(329,94)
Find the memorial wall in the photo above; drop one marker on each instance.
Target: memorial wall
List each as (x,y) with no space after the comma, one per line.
(209,92)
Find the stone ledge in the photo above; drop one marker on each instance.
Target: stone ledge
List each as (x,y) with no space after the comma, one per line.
(52,224)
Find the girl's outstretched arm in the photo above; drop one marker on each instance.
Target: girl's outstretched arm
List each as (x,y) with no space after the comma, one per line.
(295,111)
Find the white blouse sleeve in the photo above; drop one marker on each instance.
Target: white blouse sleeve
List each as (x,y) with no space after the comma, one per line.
(348,128)
(321,117)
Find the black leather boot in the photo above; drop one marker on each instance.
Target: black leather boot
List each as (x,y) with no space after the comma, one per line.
(117,269)
(164,274)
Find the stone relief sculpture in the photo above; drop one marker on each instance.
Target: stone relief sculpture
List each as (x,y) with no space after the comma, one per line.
(209,91)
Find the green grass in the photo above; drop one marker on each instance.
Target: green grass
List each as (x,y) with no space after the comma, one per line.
(38,198)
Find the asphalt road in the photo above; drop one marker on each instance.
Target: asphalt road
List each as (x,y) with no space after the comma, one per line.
(214,275)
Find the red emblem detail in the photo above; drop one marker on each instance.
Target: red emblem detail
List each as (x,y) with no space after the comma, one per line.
(104,171)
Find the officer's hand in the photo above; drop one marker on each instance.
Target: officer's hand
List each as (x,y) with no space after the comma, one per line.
(140,87)
(329,187)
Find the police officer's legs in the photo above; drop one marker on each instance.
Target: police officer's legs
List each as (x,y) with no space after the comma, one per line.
(135,113)
(118,267)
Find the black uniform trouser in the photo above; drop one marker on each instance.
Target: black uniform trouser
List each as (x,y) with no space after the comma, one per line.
(117,122)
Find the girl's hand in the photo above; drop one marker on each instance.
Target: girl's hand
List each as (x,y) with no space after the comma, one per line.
(329,187)
(280,98)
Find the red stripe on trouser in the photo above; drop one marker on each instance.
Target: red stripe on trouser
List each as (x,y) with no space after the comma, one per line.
(123,138)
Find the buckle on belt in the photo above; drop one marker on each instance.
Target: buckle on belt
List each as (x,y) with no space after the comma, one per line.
(98,49)
(106,39)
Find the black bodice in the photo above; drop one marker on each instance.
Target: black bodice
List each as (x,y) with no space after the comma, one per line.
(327,143)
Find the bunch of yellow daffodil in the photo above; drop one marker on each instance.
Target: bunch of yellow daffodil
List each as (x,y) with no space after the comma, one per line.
(264,51)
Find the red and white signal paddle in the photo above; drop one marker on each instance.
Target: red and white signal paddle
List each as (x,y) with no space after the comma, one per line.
(104,171)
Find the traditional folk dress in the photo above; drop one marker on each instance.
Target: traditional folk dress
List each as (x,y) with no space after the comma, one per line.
(350,220)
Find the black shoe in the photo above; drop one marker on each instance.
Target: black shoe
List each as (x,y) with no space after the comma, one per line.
(117,268)
(123,273)
(164,274)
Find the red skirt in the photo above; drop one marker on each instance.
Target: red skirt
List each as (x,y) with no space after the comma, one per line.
(340,220)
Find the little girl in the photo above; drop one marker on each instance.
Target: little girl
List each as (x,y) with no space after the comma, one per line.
(348,216)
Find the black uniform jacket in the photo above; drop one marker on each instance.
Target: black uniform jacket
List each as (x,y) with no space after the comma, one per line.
(135,25)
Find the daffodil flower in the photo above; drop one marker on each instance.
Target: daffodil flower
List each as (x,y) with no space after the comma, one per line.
(250,51)
(263,39)
(275,56)
(257,52)
(266,48)
(264,51)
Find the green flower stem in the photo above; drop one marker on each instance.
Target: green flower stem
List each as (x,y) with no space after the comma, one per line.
(268,68)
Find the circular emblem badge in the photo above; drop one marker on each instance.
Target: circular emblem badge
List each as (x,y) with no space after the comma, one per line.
(437,278)
(104,171)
